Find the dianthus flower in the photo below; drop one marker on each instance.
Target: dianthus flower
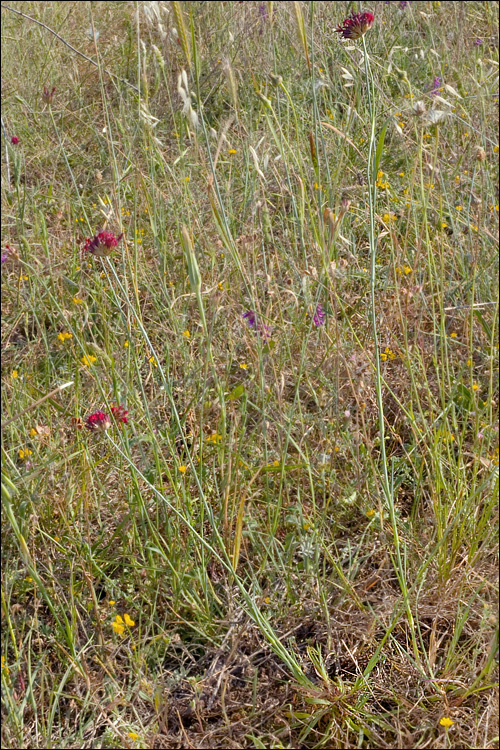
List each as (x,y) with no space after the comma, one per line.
(98,422)
(14,140)
(119,413)
(47,95)
(355,25)
(102,244)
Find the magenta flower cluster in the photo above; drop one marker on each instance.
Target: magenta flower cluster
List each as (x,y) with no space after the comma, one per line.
(102,244)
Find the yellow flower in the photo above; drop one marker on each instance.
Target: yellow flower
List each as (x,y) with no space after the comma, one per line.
(15,373)
(153,361)
(443,225)
(446,722)
(4,666)
(496,149)
(383,357)
(243,366)
(125,344)
(370,513)
(128,621)
(118,627)
(25,453)
(388,217)
(133,736)
(63,336)
(453,335)
(183,469)
(276,463)
(475,387)
(111,602)
(220,286)
(88,360)
(232,151)
(77,301)
(215,438)
(186,334)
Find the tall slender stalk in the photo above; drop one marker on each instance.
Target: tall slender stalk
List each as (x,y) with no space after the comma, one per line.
(387,487)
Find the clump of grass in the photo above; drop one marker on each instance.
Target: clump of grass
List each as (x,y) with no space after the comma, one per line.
(250,450)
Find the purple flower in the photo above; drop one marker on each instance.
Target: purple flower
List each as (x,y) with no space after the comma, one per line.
(262,11)
(14,140)
(478,42)
(319,316)
(404,3)
(5,255)
(435,86)
(260,328)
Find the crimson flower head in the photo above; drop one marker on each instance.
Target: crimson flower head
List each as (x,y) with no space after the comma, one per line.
(48,95)
(356,25)
(102,244)
(119,413)
(98,422)
(14,140)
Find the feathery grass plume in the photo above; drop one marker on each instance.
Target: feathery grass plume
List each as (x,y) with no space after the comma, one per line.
(301,27)
(232,84)
(182,31)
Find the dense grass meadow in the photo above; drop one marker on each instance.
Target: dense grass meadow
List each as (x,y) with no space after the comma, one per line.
(249,375)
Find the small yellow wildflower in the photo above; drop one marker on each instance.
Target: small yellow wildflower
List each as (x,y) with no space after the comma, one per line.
(444,225)
(370,513)
(276,463)
(183,469)
(243,366)
(128,621)
(446,722)
(4,666)
(186,334)
(88,360)
(125,344)
(220,286)
(475,387)
(458,208)
(407,270)
(383,357)
(388,217)
(496,149)
(215,438)
(118,627)
(77,301)
(469,362)
(153,361)
(15,374)
(232,151)
(133,736)
(64,335)
(453,335)
(25,453)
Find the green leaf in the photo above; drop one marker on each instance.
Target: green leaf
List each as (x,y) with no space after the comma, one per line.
(237,392)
